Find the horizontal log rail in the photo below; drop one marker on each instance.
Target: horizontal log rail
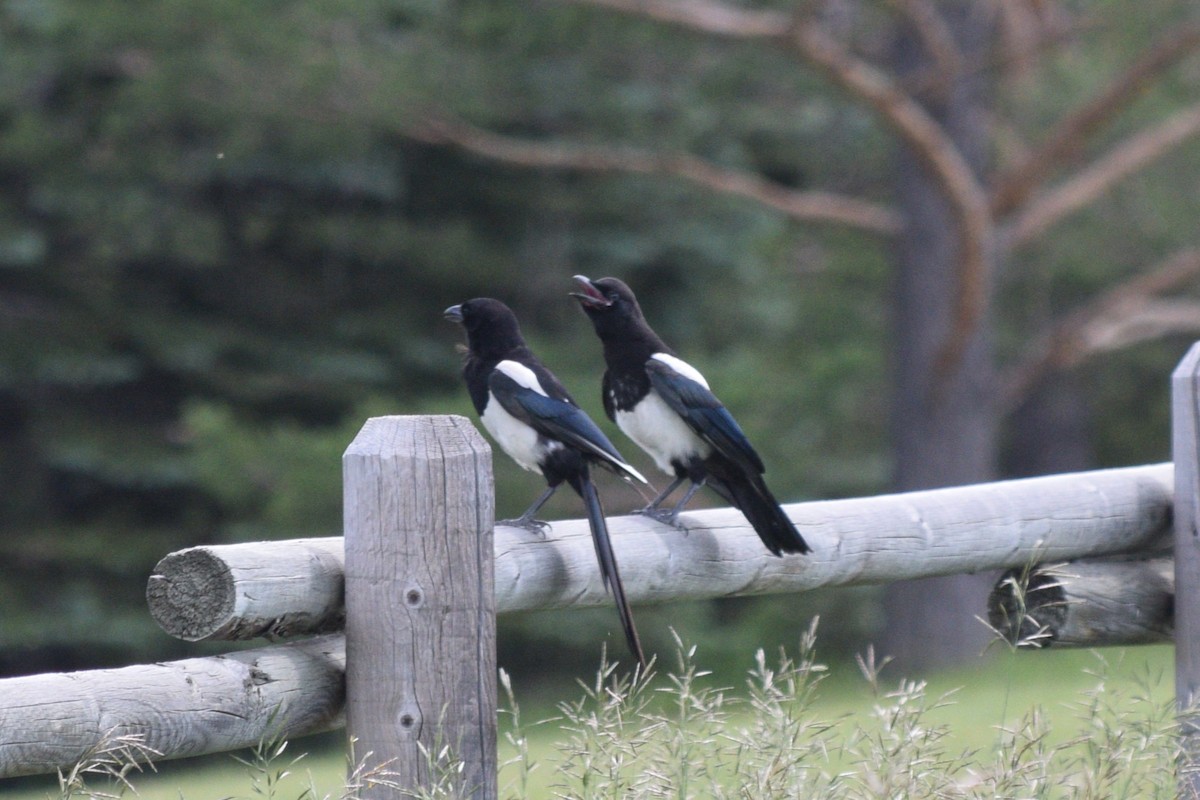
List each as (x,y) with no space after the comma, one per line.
(1086,604)
(179,708)
(287,588)
(244,590)
(420,624)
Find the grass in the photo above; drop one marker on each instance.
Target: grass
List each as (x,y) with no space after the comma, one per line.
(1044,724)
(271,771)
(1054,723)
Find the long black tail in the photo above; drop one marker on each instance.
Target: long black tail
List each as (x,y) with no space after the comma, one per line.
(750,494)
(608,561)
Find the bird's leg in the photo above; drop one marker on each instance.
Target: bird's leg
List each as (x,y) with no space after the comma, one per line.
(669,517)
(688,495)
(653,510)
(526,519)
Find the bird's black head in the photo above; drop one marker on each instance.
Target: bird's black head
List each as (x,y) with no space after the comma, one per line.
(607,301)
(491,326)
(617,318)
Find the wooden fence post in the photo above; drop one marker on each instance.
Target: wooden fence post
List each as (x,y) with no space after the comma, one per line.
(420,603)
(1185,411)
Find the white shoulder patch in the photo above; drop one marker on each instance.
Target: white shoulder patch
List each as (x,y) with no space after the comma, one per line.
(523,375)
(682,367)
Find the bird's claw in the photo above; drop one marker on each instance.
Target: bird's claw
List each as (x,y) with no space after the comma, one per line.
(665,516)
(530,524)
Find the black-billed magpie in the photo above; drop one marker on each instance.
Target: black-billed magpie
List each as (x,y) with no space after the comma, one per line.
(664,404)
(533,419)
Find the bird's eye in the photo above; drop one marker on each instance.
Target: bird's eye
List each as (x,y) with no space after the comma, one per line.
(612,297)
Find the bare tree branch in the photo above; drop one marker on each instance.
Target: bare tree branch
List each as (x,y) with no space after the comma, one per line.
(929,142)
(1029,27)
(1128,313)
(938,39)
(1020,27)
(807,206)
(1066,140)
(705,15)
(906,117)
(1154,320)
(861,79)
(1052,32)
(1093,181)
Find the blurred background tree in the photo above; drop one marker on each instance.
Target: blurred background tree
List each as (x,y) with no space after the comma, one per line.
(227,231)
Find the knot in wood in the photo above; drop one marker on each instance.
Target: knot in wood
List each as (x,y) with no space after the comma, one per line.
(409,722)
(414,597)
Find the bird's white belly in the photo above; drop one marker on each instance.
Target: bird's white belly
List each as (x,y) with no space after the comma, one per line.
(521,442)
(660,432)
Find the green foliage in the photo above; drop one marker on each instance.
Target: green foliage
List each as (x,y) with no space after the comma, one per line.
(113,759)
(219,252)
(1045,724)
(267,769)
(275,477)
(677,736)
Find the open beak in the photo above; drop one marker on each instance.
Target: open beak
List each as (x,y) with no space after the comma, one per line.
(454,314)
(589,296)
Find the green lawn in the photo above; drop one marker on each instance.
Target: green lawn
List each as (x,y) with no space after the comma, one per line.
(996,694)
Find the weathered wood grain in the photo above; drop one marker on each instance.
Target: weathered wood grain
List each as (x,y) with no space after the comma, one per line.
(179,708)
(420,604)
(716,553)
(271,589)
(1185,445)
(861,541)
(1086,604)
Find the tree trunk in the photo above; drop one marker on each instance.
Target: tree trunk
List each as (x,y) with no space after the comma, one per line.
(944,421)
(1050,431)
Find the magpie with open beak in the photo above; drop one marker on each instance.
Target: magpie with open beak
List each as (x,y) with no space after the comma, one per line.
(533,419)
(665,406)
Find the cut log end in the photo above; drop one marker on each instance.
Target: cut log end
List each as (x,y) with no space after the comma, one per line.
(270,589)
(191,594)
(1028,608)
(1101,603)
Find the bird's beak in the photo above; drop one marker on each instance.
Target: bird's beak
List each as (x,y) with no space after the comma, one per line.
(454,314)
(590,296)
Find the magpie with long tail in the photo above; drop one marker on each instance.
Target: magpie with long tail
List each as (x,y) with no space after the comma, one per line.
(665,406)
(537,423)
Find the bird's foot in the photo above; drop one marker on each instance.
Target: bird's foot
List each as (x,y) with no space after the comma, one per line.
(667,516)
(538,526)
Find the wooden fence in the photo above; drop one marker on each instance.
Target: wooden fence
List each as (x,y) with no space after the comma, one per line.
(421,573)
